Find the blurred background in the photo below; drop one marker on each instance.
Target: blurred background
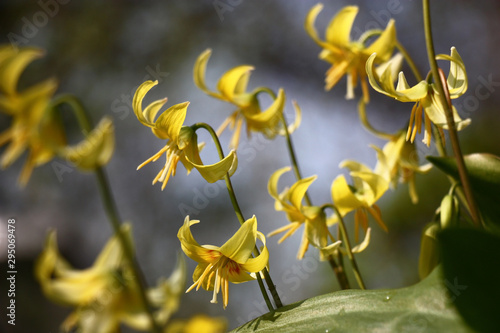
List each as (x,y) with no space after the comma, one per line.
(102,52)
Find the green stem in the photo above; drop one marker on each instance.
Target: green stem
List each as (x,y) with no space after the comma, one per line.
(409,60)
(241,219)
(369,127)
(446,102)
(345,239)
(338,270)
(110,208)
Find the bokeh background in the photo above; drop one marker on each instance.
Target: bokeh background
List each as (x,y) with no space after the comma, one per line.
(101,52)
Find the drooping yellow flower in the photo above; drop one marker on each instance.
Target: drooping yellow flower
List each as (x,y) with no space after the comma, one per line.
(290,201)
(347,56)
(33,127)
(95,150)
(232,88)
(423,94)
(398,161)
(105,294)
(198,324)
(367,188)
(182,142)
(232,262)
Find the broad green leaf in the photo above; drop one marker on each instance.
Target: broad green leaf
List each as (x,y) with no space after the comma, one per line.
(470,260)
(484,173)
(424,307)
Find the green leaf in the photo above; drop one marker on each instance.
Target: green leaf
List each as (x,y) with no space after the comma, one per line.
(484,173)
(424,307)
(470,260)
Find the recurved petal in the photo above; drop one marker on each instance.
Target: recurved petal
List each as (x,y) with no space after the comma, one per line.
(97,148)
(384,45)
(258,263)
(139,95)
(233,81)
(268,119)
(239,247)
(364,244)
(309,23)
(405,93)
(339,30)
(199,71)
(272,185)
(457,77)
(343,197)
(169,123)
(191,247)
(298,190)
(13,64)
(214,172)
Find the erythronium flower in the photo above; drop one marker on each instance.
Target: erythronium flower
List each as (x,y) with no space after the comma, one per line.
(182,142)
(32,127)
(198,324)
(232,88)
(290,201)
(367,188)
(423,94)
(105,294)
(398,161)
(347,56)
(96,150)
(232,262)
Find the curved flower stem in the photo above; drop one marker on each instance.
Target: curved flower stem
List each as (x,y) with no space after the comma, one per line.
(446,102)
(345,239)
(111,210)
(369,127)
(337,269)
(241,219)
(409,60)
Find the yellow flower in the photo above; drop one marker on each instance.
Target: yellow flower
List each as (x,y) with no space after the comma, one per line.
(423,94)
(182,142)
(96,150)
(347,56)
(217,266)
(398,161)
(198,324)
(33,127)
(232,88)
(105,294)
(367,188)
(290,201)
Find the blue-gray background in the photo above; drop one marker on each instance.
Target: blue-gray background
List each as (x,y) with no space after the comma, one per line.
(102,51)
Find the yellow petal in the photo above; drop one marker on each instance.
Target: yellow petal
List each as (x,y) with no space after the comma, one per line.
(298,118)
(234,81)
(298,190)
(139,95)
(191,247)
(169,123)
(13,65)
(343,197)
(258,263)
(199,70)
(339,29)
(364,244)
(97,148)
(457,77)
(309,23)
(377,184)
(239,247)
(384,44)
(268,121)
(272,185)
(214,172)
